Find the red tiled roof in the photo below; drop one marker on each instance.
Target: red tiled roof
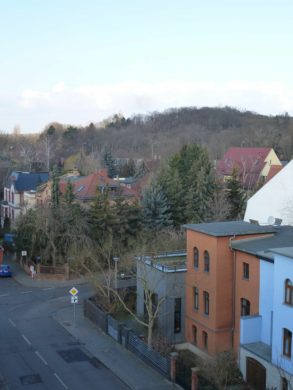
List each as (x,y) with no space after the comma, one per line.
(273,171)
(85,187)
(248,161)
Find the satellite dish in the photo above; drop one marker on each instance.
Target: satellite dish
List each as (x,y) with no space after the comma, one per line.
(271,220)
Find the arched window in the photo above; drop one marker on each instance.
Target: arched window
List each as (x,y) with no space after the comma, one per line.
(206,259)
(245,307)
(288,292)
(195,257)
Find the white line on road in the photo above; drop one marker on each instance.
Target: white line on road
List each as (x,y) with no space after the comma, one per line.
(48,288)
(26,339)
(60,380)
(4,295)
(25,292)
(41,357)
(12,322)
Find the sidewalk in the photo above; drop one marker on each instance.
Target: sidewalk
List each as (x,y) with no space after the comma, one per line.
(23,278)
(129,368)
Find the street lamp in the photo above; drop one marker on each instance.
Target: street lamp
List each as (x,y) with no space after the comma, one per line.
(116,259)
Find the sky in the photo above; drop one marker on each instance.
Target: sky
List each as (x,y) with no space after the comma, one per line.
(80,61)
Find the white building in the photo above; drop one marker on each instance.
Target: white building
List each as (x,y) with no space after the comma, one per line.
(274,199)
(266,348)
(20,193)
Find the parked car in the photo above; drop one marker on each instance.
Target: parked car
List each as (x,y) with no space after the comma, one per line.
(5,270)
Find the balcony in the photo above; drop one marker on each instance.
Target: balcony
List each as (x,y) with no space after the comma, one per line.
(250,337)
(166,261)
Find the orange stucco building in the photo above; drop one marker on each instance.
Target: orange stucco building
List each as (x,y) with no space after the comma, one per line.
(217,291)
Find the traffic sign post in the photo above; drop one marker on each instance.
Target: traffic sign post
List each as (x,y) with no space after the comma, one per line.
(74,299)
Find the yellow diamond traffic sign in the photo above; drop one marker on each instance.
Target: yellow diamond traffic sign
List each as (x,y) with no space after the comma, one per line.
(73,291)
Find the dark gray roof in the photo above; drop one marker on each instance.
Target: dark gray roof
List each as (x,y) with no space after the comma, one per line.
(222,229)
(27,181)
(262,246)
(288,252)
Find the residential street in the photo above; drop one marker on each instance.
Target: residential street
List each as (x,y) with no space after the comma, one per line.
(41,347)
(38,353)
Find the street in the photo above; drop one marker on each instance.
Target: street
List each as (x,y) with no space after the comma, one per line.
(35,351)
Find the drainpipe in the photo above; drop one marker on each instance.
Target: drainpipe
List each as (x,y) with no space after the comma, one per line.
(233,291)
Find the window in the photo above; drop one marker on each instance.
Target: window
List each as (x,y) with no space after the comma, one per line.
(245,271)
(206,259)
(177,315)
(288,292)
(205,339)
(194,334)
(195,257)
(245,307)
(195,298)
(287,341)
(206,300)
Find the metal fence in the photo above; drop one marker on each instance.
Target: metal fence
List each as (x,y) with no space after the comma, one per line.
(125,336)
(114,328)
(151,357)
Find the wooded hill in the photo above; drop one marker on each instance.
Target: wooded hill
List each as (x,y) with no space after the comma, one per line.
(156,134)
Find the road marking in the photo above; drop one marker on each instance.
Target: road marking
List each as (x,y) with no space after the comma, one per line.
(60,380)
(25,292)
(41,357)
(48,288)
(26,339)
(4,295)
(12,322)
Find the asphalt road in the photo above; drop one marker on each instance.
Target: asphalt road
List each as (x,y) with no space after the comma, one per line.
(36,353)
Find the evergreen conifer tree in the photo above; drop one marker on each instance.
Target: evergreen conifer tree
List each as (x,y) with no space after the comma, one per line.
(155,208)
(236,196)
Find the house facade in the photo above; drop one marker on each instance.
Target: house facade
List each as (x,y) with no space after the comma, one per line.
(266,349)
(20,193)
(164,276)
(213,306)
(253,165)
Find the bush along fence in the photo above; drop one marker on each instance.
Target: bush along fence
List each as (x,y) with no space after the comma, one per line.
(125,336)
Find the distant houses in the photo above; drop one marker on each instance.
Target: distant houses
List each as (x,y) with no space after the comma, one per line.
(20,193)
(254,165)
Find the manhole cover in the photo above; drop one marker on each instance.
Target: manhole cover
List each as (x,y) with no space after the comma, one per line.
(73,355)
(30,379)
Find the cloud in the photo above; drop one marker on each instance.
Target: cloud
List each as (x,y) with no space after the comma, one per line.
(95,102)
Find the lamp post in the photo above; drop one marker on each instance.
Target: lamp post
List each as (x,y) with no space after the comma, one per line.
(116,259)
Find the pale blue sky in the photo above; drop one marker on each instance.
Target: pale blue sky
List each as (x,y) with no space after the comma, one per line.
(77,61)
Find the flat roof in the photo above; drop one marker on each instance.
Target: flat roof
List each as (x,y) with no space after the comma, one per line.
(230,228)
(265,247)
(288,251)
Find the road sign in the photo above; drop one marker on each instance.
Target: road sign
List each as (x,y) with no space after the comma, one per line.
(74,299)
(73,291)
(23,253)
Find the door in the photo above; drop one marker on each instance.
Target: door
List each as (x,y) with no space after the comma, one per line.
(255,374)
